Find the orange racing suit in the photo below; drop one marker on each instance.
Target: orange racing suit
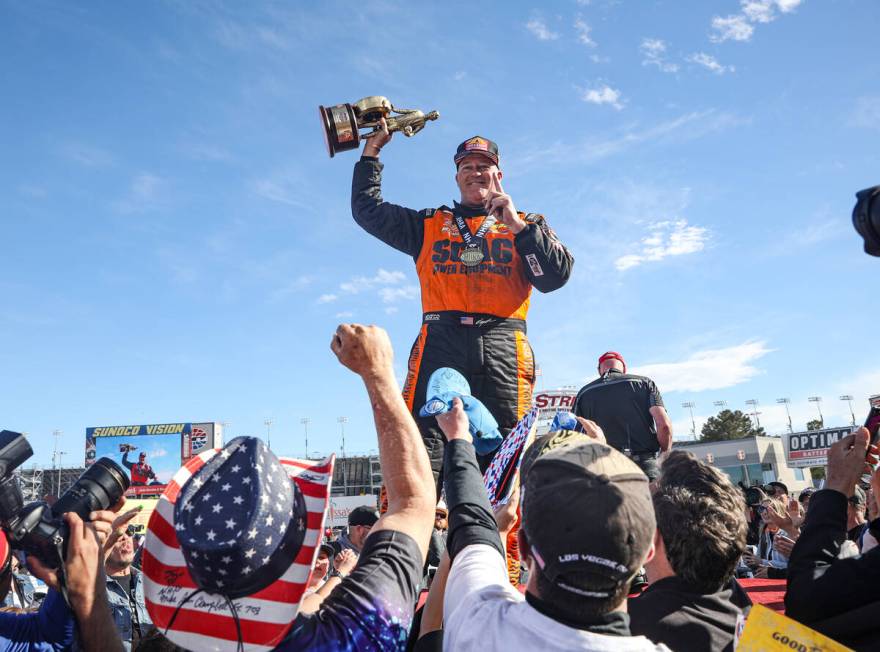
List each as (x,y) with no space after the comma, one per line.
(473,317)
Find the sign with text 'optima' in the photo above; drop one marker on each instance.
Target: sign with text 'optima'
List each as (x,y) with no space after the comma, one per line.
(810,448)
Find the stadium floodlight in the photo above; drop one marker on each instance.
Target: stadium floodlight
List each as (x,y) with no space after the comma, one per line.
(849,399)
(690,406)
(754,403)
(721,404)
(818,401)
(268,423)
(305,421)
(785,402)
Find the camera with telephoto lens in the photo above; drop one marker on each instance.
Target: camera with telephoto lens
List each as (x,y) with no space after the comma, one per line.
(38,529)
(866,218)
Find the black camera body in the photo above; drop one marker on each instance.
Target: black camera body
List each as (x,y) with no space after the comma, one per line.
(37,528)
(866,218)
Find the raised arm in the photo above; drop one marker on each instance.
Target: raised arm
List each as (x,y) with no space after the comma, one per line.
(366,350)
(820,585)
(402,228)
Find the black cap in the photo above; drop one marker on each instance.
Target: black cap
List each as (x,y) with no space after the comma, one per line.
(363,515)
(477,145)
(588,516)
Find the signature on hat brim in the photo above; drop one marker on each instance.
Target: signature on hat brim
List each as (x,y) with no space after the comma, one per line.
(205,622)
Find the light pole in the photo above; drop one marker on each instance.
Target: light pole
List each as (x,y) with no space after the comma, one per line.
(57,435)
(848,398)
(690,406)
(268,423)
(785,402)
(818,400)
(305,422)
(225,425)
(342,421)
(721,404)
(754,403)
(58,488)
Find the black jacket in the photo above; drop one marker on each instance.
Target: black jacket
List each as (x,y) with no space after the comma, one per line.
(820,586)
(673,613)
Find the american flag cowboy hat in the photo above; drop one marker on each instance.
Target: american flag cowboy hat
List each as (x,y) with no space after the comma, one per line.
(231,544)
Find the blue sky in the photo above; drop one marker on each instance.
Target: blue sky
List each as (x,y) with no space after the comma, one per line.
(178,246)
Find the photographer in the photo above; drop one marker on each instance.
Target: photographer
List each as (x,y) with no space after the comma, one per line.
(52,627)
(837,597)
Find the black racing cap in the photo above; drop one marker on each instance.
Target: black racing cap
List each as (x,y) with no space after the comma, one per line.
(588,516)
(477,145)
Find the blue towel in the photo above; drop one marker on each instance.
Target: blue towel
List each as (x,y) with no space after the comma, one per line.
(444,385)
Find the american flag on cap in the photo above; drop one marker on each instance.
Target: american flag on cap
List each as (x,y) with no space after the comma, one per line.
(231,545)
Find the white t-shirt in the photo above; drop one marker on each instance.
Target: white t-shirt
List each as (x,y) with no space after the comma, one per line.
(482,611)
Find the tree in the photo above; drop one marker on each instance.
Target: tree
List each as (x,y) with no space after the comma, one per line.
(729,425)
(815,424)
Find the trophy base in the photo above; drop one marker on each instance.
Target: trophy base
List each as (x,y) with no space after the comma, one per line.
(340,128)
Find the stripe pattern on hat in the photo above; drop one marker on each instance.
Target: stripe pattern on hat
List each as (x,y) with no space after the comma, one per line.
(205,622)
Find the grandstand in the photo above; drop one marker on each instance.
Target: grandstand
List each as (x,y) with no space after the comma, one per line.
(356,476)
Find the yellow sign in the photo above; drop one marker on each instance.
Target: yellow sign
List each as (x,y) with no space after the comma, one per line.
(768,631)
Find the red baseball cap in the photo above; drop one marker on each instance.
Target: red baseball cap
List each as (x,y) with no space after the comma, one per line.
(612,355)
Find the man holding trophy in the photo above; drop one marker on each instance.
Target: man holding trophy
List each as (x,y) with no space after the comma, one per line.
(477,263)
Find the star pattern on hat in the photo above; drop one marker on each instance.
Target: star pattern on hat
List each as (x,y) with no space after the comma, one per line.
(235,512)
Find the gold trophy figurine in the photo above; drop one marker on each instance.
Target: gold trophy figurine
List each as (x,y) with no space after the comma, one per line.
(342,123)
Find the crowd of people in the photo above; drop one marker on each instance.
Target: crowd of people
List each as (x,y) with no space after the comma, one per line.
(612,560)
(609,539)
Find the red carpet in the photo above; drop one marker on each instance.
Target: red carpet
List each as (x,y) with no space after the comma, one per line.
(770,593)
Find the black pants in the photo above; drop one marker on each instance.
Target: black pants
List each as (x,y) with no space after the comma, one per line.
(495,358)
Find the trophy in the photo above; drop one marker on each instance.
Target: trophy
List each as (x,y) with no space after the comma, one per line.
(342,123)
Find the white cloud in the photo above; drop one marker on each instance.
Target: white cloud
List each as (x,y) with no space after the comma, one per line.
(539,28)
(708,369)
(345,314)
(393,295)
(327,298)
(709,62)
(158,452)
(390,310)
(740,27)
(361,283)
(603,94)
(583,32)
(664,239)
(731,28)
(654,51)
(458,76)
(758,11)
